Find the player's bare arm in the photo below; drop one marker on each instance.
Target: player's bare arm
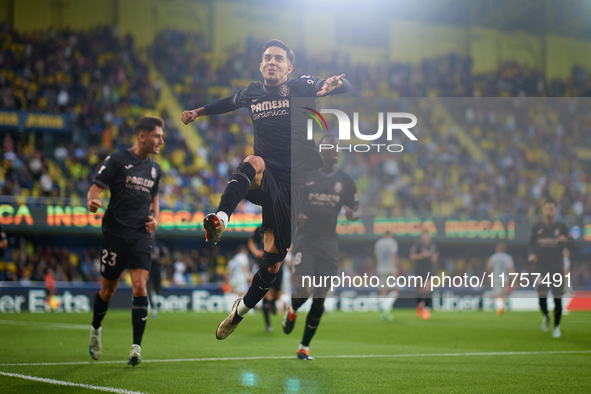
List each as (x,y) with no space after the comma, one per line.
(416,256)
(331,84)
(434,258)
(152,223)
(302,219)
(93,198)
(532,258)
(352,214)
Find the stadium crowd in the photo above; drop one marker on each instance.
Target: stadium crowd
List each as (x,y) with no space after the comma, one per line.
(538,147)
(26,261)
(440,177)
(101,83)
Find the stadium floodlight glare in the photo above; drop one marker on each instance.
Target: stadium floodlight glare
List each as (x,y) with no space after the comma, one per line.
(293,385)
(248,379)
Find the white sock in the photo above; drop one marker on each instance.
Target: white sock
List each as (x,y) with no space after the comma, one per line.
(392,297)
(302,347)
(499,303)
(242,309)
(223,216)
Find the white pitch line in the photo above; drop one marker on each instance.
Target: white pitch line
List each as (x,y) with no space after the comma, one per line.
(46,326)
(71,384)
(318,357)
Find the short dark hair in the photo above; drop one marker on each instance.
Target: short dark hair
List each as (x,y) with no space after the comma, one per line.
(147,123)
(280,44)
(551,201)
(327,136)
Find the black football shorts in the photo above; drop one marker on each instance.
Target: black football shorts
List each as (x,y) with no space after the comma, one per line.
(118,254)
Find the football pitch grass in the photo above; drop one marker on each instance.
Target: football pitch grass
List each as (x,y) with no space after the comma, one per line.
(355,352)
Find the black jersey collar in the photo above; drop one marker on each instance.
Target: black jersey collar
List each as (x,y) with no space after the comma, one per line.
(328,175)
(269,89)
(137,157)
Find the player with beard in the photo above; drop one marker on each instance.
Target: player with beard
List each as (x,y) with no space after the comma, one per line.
(133,179)
(549,244)
(316,246)
(273,176)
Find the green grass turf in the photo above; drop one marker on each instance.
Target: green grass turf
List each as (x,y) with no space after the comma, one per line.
(191,335)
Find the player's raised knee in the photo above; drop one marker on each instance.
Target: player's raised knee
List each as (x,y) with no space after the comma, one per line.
(256,162)
(273,269)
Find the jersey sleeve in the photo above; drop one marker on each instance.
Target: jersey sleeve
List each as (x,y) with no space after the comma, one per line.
(308,85)
(245,96)
(239,99)
(156,186)
(531,246)
(107,172)
(231,103)
(351,199)
(413,249)
(570,242)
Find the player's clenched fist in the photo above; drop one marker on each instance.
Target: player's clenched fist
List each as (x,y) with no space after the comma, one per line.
(532,258)
(151,224)
(188,116)
(94,204)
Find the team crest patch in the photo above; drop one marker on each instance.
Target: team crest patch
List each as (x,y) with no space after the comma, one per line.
(153,172)
(283,90)
(338,187)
